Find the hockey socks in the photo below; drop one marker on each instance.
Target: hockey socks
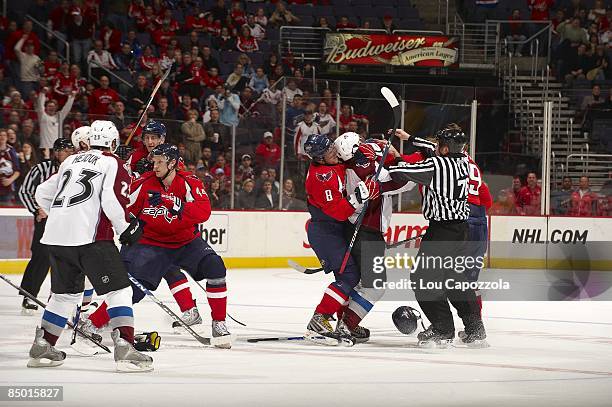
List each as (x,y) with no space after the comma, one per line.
(57,312)
(333,300)
(216,294)
(182,294)
(357,310)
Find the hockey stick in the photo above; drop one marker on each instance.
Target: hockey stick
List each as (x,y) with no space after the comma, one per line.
(201,339)
(277,338)
(146,108)
(42,304)
(76,323)
(397,113)
(228,314)
(305,270)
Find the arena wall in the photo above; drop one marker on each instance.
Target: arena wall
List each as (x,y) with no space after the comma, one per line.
(258,239)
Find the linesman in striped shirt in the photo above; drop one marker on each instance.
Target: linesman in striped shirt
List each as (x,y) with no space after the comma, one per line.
(38,266)
(444,178)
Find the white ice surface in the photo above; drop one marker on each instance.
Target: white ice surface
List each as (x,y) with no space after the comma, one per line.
(542,354)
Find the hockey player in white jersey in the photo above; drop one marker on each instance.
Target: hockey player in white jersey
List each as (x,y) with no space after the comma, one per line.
(84,201)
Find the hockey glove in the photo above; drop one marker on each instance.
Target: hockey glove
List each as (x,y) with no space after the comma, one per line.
(133,233)
(177,206)
(124,152)
(155,198)
(368,151)
(147,341)
(143,165)
(366,190)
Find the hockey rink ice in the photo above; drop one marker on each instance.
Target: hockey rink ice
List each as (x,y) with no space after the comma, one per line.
(541,354)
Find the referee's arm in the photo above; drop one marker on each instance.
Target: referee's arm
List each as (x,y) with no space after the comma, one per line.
(28,188)
(421,172)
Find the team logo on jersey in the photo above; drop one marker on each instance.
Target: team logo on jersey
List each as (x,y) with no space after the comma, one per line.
(324,177)
(160,211)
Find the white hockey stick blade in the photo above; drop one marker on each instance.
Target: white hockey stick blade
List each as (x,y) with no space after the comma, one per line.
(84,349)
(296,266)
(388,94)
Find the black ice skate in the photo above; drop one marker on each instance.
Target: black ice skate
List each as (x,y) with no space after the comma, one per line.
(474,335)
(433,338)
(43,354)
(28,306)
(129,359)
(360,334)
(320,331)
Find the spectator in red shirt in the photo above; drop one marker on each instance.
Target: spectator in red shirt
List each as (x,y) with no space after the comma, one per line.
(111,37)
(196,20)
(220,163)
(212,27)
(101,99)
(345,23)
(148,59)
(237,13)
(267,153)
(516,34)
(540,9)
(63,84)
(51,65)
(15,36)
(528,201)
(162,36)
(213,79)
(136,9)
(146,22)
(166,19)
(583,200)
(60,18)
(246,42)
(347,116)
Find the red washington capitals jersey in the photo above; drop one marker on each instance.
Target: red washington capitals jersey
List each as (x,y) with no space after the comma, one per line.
(162,228)
(478,191)
(325,190)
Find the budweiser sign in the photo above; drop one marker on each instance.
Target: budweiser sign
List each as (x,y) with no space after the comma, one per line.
(400,50)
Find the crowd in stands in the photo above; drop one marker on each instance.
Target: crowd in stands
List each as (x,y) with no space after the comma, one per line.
(224,78)
(525,198)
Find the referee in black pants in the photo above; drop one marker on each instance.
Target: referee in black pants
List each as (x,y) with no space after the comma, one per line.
(444,176)
(38,266)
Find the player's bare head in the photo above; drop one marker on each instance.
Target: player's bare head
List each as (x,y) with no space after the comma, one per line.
(165,159)
(321,149)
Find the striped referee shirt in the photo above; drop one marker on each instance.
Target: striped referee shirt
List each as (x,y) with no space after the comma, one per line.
(37,175)
(445,185)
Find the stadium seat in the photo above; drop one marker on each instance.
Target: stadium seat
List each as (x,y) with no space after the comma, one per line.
(322,11)
(306,20)
(301,9)
(408,12)
(385,11)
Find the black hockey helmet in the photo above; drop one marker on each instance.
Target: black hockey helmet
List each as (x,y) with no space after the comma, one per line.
(154,127)
(452,137)
(62,144)
(406,319)
(317,145)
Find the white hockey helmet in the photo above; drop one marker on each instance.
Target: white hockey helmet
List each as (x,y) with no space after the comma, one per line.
(346,145)
(81,134)
(103,133)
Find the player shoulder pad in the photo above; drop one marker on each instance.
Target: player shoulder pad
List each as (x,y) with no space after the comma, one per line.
(142,179)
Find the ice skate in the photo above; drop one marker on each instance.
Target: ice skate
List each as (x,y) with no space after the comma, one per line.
(433,338)
(360,334)
(43,354)
(190,317)
(221,336)
(474,335)
(28,307)
(129,359)
(320,331)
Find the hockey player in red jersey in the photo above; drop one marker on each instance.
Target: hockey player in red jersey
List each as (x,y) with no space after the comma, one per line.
(329,209)
(154,134)
(172,204)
